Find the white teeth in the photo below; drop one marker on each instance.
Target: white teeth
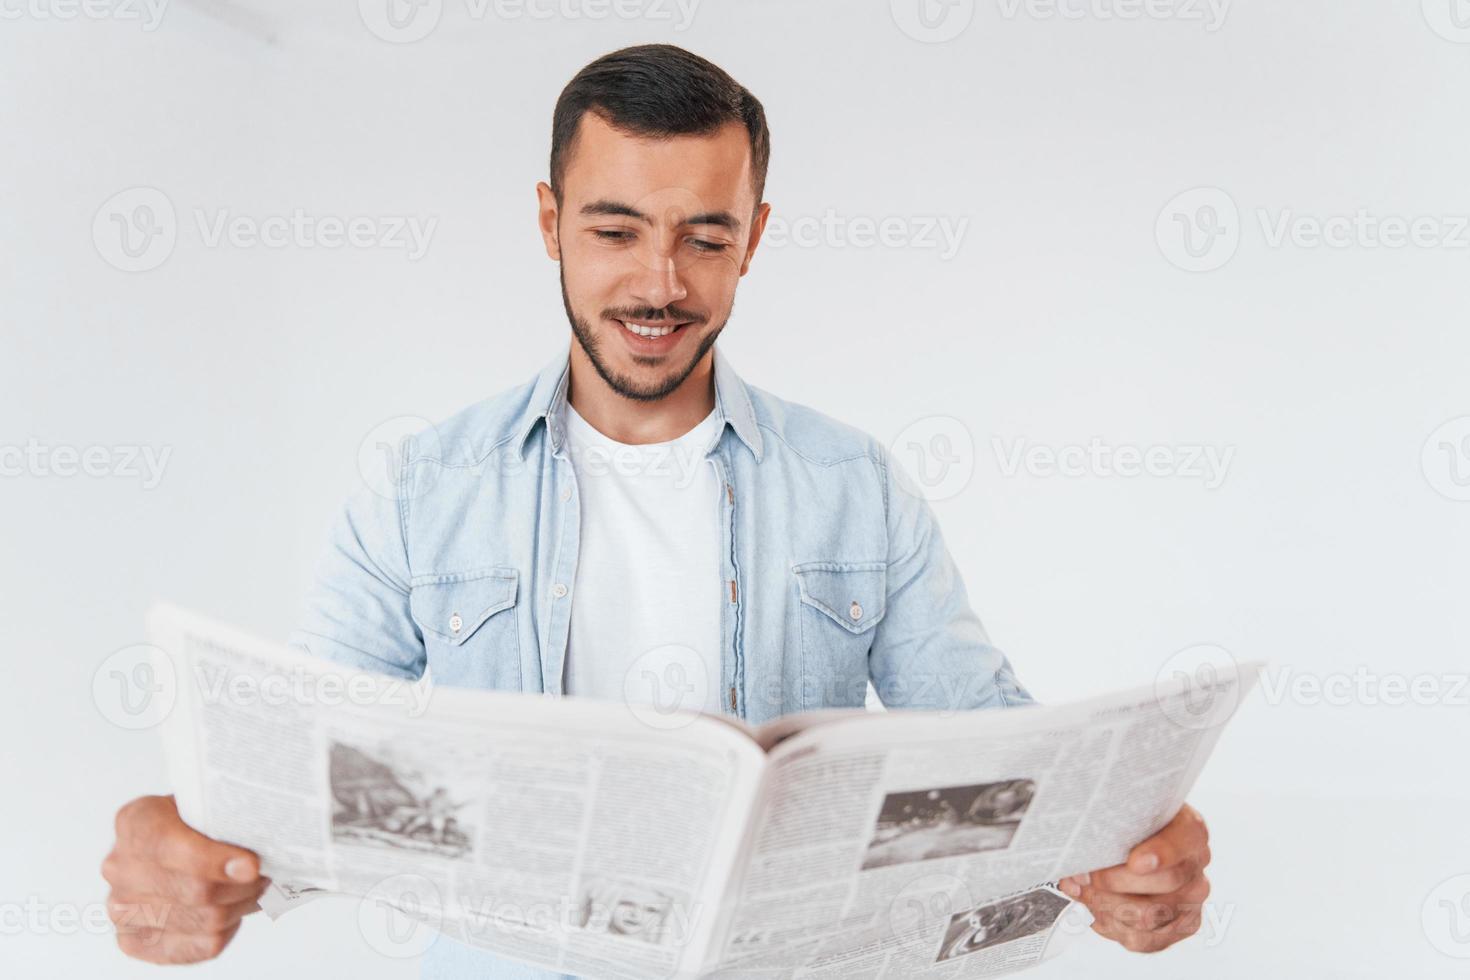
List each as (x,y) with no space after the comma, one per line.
(643,331)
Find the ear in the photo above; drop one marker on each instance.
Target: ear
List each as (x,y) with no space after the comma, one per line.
(547,219)
(757,229)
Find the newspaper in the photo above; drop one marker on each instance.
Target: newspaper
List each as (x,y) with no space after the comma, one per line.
(601,839)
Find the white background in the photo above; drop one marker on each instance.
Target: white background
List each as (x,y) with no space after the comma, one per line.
(1329,547)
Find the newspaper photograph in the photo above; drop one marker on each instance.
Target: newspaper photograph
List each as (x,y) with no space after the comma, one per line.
(918,825)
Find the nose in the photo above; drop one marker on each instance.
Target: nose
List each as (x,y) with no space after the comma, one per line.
(659,281)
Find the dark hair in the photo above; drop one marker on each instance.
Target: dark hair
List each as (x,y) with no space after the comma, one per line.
(657,90)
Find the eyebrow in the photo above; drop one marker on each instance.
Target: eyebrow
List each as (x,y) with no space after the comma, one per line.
(722,219)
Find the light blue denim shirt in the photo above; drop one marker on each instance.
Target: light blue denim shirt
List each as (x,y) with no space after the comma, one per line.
(834,573)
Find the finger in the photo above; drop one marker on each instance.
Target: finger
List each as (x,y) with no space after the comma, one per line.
(1186,925)
(1146,912)
(151,827)
(134,914)
(1133,940)
(185,850)
(1122,913)
(158,946)
(145,944)
(138,914)
(1178,851)
(1119,879)
(134,876)
(1149,941)
(1152,941)
(1181,838)
(208,920)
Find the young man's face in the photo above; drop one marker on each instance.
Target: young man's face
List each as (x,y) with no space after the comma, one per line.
(651,234)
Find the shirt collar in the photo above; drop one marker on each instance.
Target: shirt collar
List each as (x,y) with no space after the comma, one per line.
(733,406)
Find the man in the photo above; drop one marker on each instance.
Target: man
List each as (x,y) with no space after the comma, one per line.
(540,541)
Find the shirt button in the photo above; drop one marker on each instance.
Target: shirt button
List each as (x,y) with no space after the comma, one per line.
(455,623)
(855,611)
(566,494)
(558,590)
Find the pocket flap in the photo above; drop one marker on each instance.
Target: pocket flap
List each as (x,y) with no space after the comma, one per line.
(851,594)
(453,606)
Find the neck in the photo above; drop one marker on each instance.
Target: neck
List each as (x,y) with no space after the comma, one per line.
(637,423)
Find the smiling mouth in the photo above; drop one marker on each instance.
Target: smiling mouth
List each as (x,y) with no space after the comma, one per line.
(652,330)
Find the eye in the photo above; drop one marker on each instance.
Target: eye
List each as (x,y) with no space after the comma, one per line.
(610,235)
(704,245)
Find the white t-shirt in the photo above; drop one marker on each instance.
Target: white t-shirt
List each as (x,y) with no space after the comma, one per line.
(645,621)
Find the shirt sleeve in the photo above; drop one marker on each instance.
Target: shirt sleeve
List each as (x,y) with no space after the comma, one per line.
(930,650)
(357,609)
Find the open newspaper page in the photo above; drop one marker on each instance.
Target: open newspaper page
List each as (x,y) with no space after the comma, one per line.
(914,845)
(571,834)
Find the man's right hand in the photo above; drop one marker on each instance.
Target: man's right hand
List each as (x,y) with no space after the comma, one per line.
(177,896)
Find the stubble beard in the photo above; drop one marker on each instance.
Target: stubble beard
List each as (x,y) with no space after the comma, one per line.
(622,384)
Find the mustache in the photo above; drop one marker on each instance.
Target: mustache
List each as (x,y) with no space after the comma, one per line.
(671,313)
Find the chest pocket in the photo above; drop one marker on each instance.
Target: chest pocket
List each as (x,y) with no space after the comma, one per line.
(841,602)
(468,620)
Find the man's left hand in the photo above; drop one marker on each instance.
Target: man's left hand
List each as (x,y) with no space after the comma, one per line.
(1156,897)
